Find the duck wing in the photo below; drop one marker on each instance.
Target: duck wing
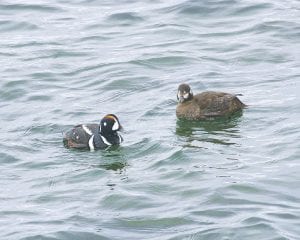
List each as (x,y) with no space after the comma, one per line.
(79,136)
(214,104)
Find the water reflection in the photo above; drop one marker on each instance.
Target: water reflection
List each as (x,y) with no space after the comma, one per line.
(219,131)
(115,166)
(113,159)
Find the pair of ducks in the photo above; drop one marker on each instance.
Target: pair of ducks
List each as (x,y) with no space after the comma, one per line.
(201,106)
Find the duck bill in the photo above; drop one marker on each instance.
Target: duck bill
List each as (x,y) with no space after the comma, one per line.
(181,99)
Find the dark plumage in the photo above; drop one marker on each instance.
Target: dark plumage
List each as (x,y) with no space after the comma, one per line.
(95,136)
(205,105)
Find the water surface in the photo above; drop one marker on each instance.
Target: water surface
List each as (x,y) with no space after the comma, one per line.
(69,62)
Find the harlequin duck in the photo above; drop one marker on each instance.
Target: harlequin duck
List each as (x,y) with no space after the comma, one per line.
(94,136)
(206,105)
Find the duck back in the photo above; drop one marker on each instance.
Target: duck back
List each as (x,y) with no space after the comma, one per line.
(208,105)
(79,136)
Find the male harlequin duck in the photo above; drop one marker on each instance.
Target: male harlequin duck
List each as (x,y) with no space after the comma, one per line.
(94,136)
(206,105)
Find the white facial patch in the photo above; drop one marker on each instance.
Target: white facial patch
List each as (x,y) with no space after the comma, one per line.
(104,124)
(116,126)
(186,95)
(87,130)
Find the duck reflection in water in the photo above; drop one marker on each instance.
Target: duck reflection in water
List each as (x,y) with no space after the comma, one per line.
(218,131)
(113,159)
(115,166)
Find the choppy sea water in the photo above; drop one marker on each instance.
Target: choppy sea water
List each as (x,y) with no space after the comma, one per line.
(70,62)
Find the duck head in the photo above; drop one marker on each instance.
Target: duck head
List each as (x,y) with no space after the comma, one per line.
(184,93)
(109,124)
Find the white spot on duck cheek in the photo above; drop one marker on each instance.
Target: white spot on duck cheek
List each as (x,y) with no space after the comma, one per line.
(104,124)
(178,95)
(186,95)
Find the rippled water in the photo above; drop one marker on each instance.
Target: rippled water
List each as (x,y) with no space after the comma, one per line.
(69,62)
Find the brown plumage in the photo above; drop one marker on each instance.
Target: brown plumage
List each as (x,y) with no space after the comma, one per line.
(205,105)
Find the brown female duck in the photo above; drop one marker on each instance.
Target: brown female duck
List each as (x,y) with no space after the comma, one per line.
(205,105)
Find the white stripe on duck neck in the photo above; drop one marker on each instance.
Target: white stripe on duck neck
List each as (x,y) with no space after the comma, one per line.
(105,140)
(120,138)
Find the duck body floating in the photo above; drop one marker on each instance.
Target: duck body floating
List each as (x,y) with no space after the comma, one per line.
(94,136)
(205,105)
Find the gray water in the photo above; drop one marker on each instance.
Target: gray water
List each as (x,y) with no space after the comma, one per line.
(70,62)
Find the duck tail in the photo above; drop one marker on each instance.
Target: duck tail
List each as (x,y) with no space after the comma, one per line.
(243,105)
